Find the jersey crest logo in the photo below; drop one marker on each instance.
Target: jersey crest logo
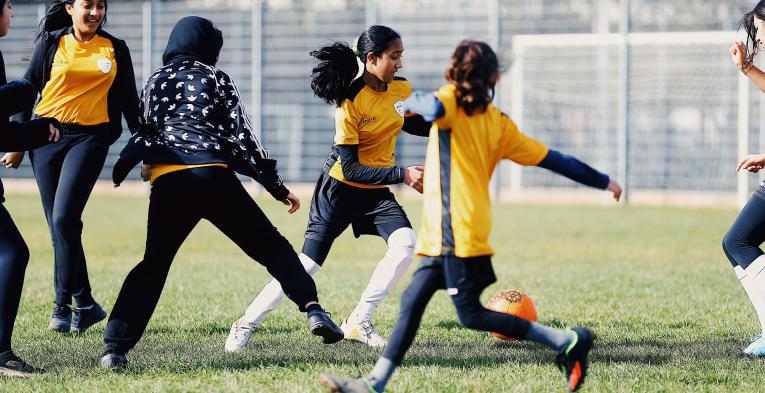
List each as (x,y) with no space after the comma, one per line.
(105,65)
(399,107)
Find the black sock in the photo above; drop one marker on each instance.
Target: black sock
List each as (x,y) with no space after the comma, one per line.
(314,307)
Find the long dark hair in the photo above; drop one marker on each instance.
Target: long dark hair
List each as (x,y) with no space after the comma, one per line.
(747,22)
(57,18)
(338,66)
(473,68)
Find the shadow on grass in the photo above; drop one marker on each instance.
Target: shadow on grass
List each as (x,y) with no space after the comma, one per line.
(158,354)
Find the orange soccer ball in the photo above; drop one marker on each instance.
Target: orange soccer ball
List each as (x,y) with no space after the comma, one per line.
(513,302)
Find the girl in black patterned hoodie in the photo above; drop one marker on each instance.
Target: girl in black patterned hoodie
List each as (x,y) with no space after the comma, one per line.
(196,135)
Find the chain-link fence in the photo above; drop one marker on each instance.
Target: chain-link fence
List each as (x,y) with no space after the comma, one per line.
(682,98)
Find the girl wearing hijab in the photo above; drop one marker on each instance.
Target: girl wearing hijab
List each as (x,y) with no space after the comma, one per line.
(86,80)
(197,134)
(14,253)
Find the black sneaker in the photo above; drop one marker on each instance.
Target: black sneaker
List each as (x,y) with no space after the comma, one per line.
(113,360)
(322,325)
(574,359)
(12,366)
(337,384)
(87,317)
(61,319)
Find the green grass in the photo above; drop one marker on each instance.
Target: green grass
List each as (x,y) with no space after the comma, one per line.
(652,282)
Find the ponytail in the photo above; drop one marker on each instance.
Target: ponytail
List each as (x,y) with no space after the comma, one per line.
(56,18)
(473,67)
(336,70)
(338,65)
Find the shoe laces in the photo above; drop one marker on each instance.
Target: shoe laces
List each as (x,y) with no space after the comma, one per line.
(368,328)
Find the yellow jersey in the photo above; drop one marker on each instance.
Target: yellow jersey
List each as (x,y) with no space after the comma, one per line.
(462,153)
(372,120)
(80,78)
(157,170)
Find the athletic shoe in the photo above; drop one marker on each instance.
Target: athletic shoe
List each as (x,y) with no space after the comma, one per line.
(574,359)
(757,348)
(87,317)
(61,319)
(12,366)
(338,384)
(748,350)
(113,360)
(322,325)
(237,338)
(363,332)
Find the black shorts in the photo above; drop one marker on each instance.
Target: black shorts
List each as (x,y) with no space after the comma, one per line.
(462,276)
(335,205)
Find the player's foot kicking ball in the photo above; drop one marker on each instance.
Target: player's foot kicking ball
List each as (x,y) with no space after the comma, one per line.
(12,366)
(574,359)
(363,332)
(338,384)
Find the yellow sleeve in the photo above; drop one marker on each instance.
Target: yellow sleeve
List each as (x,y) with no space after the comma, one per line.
(347,120)
(519,147)
(448,97)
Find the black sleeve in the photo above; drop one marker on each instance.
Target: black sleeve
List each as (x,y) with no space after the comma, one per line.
(416,125)
(26,136)
(574,169)
(128,93)
(263,166)
(36,75)
(354,171)
(16,96)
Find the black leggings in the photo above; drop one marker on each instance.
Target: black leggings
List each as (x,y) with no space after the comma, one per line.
(742,242)
(66,173)
(179,200)
(14,256)
(432,276)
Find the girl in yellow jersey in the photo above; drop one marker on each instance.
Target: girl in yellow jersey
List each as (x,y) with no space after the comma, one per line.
(86,81)
(468,139)
(353,186)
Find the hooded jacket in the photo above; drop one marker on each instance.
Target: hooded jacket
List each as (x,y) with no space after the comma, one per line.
(14,136)
(193,113)
(122,98)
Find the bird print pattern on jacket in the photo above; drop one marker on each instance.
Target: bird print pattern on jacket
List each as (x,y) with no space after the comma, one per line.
(191,107)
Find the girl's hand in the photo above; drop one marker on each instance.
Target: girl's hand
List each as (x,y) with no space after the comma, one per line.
(12,160)
(413,176)
(293,202)
(615,189)
(145,171)
(738,54)
(752,163)
(55,133)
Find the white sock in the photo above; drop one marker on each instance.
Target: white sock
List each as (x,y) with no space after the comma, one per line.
(753,280)
(387,274)
(272,296)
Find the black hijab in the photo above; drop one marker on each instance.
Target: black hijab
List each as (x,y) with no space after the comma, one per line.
(194,38)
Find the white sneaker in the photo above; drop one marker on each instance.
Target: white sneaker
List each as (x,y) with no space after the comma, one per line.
(363,332)
(237,338)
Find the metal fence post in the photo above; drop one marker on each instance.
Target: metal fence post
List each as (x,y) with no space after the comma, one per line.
(148,39)
(494,41)
(742,180)
(624,101)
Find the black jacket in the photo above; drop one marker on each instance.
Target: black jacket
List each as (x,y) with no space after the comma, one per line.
(192,113)
(15,97)
(122,98)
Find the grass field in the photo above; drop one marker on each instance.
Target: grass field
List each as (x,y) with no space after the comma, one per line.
(652,282)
